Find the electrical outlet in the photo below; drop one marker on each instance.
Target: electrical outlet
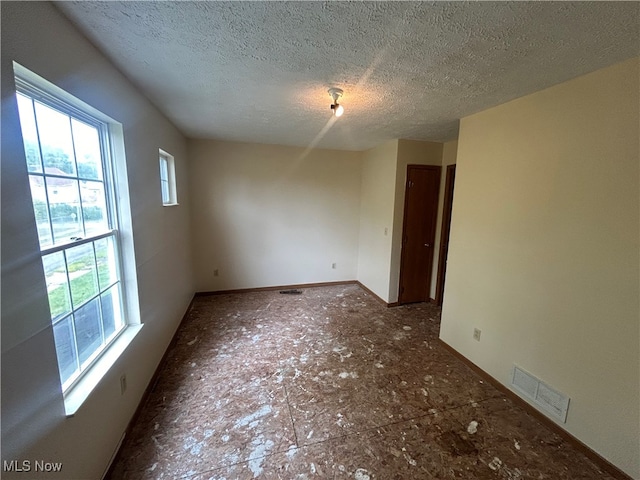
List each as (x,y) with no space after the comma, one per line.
(334,265)
(123,384)
(476,334)
(386,231)
(216,273)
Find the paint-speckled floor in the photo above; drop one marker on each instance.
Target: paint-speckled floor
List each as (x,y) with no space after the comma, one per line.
(330,384)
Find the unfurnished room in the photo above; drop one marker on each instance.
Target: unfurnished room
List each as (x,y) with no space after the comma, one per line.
(320,240)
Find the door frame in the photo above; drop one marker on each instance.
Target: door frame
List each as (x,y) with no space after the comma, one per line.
(445,230)
(438,170)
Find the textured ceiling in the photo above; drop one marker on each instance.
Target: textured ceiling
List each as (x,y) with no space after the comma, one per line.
(259,71)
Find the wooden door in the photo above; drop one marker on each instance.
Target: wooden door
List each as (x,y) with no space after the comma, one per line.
(444,232)
(418,232)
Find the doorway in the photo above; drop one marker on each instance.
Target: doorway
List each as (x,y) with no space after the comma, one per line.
(418,232)
(444,232)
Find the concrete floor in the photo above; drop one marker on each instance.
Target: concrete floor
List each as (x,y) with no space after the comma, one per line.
(330,384)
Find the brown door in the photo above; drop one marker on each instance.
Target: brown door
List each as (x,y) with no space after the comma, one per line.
(418,233)
(444,232)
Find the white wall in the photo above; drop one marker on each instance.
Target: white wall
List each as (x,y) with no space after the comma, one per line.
(376,215)
(544,250)
(267,215)
(34,426)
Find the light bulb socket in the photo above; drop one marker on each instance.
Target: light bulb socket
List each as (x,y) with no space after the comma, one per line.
(335,93)
(336,108)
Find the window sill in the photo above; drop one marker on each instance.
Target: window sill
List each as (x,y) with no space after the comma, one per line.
(170,204)
(79,393)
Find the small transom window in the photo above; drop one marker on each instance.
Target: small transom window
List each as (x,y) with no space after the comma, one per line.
(168,179)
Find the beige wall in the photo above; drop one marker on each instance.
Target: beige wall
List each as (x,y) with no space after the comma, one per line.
(384,175)
(34,425)
(268,215)
(544,250)
(410,152)
(376,217)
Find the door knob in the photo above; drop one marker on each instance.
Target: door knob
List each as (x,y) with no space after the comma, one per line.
(427,245)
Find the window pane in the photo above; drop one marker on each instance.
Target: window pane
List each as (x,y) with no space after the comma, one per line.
(106,259)
(111,315)
(65,349)
(164,180)
(88,329)
(82,273)
(55,272)
(94,207)
(39,197)
(55,141)
(29,133)
(165,191)
(163,169)
(87,144)
(64,208)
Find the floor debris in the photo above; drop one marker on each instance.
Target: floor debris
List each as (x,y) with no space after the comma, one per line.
(495,464)
(261,385)
(362,474)
(473,427)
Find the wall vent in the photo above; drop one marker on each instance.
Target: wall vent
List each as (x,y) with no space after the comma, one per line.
(550,400)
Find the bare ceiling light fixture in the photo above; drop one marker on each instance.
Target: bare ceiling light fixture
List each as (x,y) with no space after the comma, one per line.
(336,108)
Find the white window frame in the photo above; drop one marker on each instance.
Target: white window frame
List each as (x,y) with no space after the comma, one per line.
(118,206)
(168,179)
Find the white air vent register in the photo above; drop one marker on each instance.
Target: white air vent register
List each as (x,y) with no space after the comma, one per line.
(550,400)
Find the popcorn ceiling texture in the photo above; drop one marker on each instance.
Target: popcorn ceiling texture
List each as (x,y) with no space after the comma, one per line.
(259,71)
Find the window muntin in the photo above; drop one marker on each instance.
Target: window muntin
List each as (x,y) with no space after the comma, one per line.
(70,175)
(167,179)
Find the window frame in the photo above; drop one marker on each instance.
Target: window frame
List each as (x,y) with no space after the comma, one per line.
(117,205)
(170,167)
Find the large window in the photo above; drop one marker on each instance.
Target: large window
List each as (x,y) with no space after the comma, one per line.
(72,189)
